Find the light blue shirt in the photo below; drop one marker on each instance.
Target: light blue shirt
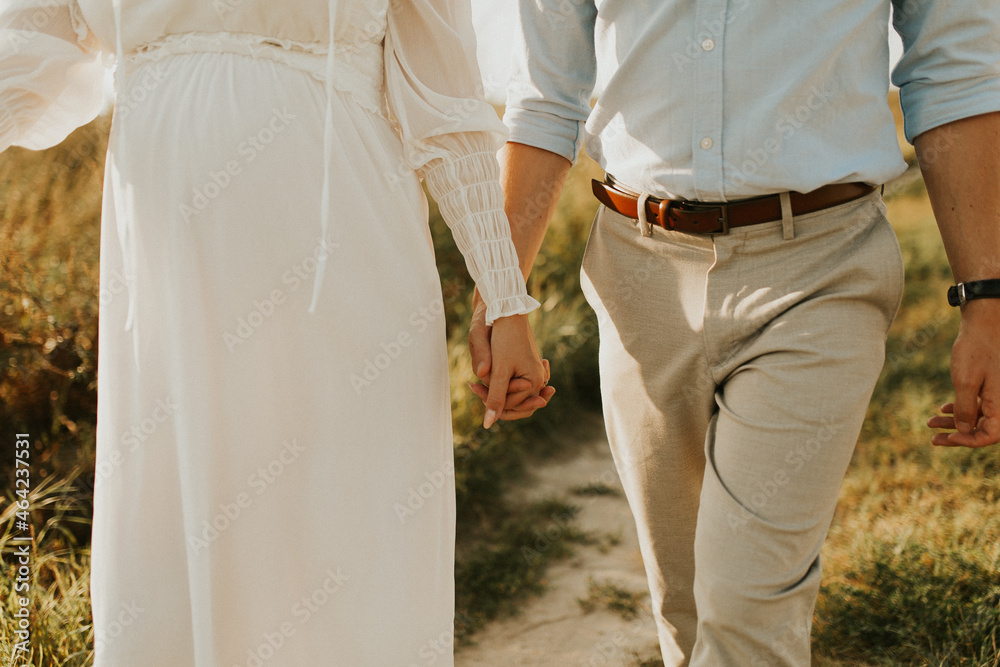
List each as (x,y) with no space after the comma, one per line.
(722,99)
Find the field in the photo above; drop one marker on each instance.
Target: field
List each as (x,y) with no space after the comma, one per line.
(911,566)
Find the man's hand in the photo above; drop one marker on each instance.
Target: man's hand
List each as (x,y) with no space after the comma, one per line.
(961,167)
(518,398)
(975,372)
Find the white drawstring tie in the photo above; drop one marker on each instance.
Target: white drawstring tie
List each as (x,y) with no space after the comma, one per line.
(122,193)
(324,217)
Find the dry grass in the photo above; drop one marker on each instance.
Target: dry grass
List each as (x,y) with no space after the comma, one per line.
(911,563)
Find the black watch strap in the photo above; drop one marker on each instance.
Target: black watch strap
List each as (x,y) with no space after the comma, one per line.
(977,289)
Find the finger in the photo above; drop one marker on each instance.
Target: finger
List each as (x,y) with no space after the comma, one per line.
(985,435)
(968,383)
(479,346)
(531,403)
(513,401)
(530,406)
(941,421)
(518,384)
(535,402)
(479,390)
(496,397)
(986,429)
(511,415)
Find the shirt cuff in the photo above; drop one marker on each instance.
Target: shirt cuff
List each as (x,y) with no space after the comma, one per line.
(929,105)
(546,131)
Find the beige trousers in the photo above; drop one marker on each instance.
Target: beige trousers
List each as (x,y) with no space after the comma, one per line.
(735,373)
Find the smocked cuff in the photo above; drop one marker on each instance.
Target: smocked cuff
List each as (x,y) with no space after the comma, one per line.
(471,202)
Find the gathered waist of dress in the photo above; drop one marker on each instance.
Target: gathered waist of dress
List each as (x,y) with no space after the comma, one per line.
(359,69)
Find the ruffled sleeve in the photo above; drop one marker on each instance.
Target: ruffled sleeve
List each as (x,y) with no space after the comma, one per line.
(51,74)
(450,138)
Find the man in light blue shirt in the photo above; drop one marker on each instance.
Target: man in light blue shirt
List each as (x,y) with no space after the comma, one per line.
(743,272)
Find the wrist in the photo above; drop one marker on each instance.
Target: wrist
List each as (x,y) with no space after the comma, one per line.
(987,310)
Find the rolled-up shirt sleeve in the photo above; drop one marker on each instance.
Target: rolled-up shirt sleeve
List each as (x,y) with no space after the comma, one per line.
(553,73)
(950,68)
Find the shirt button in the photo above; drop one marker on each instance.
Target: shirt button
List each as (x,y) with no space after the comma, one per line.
(708,44)
(707,143)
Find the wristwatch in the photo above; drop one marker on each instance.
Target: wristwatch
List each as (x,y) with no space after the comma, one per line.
(977,289)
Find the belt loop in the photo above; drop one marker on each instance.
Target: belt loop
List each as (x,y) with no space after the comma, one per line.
(787,220)
(644,227)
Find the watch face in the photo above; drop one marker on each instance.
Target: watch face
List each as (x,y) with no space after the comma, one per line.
(954,299)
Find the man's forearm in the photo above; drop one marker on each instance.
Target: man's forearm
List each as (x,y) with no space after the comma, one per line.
(532,179)
(960,162)
(961,167)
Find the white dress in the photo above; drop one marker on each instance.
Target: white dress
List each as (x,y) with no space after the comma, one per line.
(275,480)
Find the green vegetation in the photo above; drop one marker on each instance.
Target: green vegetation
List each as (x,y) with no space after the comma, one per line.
(502,568)
(912,562)
(911,567)
(595,489)
(612,596)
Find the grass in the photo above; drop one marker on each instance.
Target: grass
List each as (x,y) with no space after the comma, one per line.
(610,595)
(912,561)
(910,565)
(595,489)
(502,568)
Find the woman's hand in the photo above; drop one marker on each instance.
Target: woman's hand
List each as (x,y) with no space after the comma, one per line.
(506,359)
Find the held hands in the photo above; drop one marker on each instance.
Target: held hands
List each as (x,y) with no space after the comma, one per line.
(975,373)
(504,356)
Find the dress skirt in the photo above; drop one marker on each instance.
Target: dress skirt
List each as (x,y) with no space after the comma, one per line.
(274,486)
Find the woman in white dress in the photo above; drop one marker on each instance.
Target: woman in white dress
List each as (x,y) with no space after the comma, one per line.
(274,477)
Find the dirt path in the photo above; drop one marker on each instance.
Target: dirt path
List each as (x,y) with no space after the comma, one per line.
(554,630)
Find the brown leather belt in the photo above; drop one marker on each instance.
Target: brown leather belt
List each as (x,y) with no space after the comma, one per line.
(696,217)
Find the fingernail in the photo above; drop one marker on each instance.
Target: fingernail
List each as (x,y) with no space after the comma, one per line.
(964,427)
(491,416)
(481,368)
